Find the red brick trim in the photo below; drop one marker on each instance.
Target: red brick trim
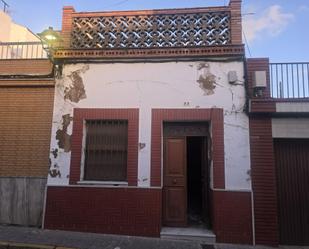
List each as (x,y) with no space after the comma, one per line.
(152,12)
(263,173)
(214,116)
(26,67)
(257,106)
(132,115)
(232,217)
(67,21)
(150,53)
(236,27)
(127,211)
(268,106)
(258,64)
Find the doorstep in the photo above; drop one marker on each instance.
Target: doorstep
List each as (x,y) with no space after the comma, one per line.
(199,234)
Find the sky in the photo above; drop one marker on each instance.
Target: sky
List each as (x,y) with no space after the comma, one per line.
(277,29)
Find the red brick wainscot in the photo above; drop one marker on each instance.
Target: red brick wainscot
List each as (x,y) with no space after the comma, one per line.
(128,211)
(232,215)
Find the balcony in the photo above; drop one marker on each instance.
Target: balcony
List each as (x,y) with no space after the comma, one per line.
(286,93)
(24,60)
(289,80)
(22,50)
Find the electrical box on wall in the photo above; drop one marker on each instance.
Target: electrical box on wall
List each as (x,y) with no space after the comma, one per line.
(259,79)
(232,77)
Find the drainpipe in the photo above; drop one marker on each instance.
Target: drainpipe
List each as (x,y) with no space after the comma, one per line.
(247,111)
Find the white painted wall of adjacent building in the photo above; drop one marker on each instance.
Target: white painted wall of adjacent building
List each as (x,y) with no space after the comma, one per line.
(292,107)
(5,25)
(13,32)
(290,127)
(159,85)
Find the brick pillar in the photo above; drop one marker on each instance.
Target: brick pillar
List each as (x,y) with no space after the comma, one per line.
(236,27)
(217,122)
(258,64)
(67,21)
(263,173)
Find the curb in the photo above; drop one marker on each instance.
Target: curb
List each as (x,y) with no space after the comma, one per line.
(11,245)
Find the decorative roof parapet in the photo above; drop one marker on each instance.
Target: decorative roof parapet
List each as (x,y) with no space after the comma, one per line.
(179,31)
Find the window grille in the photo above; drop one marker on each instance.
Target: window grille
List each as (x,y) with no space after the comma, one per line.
(106,150)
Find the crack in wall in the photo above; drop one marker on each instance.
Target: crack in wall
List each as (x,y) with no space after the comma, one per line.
(237,126)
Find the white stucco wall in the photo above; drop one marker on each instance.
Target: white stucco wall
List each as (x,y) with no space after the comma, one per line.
(159,85)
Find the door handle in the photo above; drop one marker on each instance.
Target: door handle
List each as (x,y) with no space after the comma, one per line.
(174,181)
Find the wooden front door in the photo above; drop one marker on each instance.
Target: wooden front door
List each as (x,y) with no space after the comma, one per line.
(175,182)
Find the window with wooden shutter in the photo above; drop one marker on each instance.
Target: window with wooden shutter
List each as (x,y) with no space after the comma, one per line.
(106,146)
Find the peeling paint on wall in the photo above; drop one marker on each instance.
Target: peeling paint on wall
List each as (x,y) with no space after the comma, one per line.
(202,65)
(154,85)
(207,83)
(64,139)
(55,153)
(206,80)
(76,91)
(55,173)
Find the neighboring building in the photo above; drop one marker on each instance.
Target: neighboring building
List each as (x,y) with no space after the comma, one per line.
(279,141)
(26,101)
(12,32)
(18,42)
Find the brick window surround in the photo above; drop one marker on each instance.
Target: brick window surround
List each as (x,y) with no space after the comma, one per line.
(81,114)
(213,115)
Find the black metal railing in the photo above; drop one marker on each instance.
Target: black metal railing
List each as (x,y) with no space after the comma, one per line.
(22,50)
(289,80)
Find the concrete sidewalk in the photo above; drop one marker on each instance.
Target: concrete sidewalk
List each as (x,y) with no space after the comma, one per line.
(34,237)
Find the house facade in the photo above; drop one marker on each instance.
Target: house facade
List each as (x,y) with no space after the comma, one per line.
(156,121)
(159,121)
(149,125)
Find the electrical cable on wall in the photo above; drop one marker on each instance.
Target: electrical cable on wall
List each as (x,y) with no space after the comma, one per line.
(247,44)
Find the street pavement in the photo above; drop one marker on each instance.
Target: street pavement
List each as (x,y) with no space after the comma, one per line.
(65,239)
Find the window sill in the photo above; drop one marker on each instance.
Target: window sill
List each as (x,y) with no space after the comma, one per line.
(104,183)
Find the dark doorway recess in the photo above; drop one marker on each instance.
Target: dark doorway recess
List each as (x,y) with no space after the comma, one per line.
(197,182)
(292,163)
